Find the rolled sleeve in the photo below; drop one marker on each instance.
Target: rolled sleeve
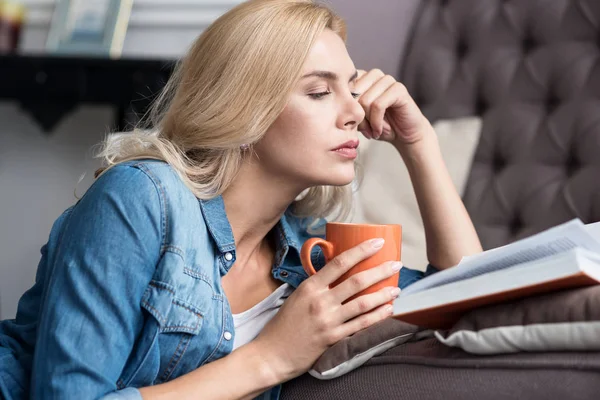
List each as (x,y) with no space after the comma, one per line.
(409,276)
(90,314)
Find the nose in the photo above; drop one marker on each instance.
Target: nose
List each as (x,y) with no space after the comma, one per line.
(352,113)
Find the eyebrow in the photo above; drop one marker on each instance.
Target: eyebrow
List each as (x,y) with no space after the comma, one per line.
(332,76)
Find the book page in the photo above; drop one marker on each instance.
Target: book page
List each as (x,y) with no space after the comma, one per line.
(594,230)
(552,241)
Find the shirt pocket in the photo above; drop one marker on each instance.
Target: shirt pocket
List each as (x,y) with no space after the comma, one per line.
(172,314)
(178,323)
(179,328)
(160,351)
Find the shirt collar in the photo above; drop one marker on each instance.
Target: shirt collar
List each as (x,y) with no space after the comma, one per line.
(218,224)
(287,231)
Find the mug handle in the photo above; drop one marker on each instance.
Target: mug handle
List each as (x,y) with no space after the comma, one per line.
(307,247)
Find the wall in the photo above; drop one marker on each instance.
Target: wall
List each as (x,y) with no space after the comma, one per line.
(39,172)
(156,27)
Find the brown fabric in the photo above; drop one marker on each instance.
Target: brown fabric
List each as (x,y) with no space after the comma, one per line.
(582,304)
(364,340)
(530,69)
(567,306)
(426,370)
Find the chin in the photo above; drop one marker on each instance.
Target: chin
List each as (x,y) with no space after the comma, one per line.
(339,177)
(327,174)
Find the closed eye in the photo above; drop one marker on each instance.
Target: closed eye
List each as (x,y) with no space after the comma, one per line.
(320,95)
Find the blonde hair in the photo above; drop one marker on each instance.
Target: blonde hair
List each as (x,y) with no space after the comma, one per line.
(227,91)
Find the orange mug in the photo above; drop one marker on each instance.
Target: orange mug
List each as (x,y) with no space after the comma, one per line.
(340,237)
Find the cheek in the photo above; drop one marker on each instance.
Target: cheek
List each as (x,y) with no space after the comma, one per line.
(293,130)
(299,140)
(308,123)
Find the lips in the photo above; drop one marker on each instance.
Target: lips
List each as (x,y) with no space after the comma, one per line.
(351,144)
(347,150)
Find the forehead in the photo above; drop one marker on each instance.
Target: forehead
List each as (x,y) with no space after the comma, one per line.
(328,53)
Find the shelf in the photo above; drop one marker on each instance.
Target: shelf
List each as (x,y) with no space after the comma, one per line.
(49,87)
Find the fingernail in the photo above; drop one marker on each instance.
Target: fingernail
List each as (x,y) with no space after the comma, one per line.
(389,309)
(377,243)
(396,266)
(395,291)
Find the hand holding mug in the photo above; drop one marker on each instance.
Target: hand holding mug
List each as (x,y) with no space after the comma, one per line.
(320,312)
(341,237)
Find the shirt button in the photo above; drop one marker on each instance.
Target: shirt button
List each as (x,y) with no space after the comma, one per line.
(227,335)
(284,273)
(228,257)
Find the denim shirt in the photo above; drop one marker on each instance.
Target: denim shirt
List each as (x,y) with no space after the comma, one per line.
(128,290)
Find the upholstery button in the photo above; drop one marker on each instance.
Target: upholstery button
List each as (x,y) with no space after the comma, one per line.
(284,273)
(515,226)
(528,44)
(572,164)
(480,106)
(498,163)
(227,335)
(551,103)
(462,49)
(228,256)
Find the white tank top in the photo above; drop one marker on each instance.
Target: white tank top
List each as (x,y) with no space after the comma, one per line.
(249,323)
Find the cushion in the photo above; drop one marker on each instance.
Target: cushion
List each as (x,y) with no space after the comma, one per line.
(428,370)
(386,195)
(561,321)
(353,351)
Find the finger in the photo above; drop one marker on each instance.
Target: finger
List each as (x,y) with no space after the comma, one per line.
(340,264)
(366,320)
(366,303)
(366,129)
(373,98)
(364,280)
(360,73)
(396,95)
(387,133)
(367,80)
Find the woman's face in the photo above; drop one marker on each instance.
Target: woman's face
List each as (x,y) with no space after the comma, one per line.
(313,141)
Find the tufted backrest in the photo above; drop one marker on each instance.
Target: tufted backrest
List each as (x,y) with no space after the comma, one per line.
(531,69)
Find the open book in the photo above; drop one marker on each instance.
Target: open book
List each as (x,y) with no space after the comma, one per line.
(561,257)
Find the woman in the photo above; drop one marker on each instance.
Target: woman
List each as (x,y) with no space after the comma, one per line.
(177,275)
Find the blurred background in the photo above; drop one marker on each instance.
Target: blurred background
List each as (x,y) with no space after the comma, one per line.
(40,167)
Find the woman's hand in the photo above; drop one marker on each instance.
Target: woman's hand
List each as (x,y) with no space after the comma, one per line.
(391,114)
(313,318)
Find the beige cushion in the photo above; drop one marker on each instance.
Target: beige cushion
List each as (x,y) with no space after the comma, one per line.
(386,195)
